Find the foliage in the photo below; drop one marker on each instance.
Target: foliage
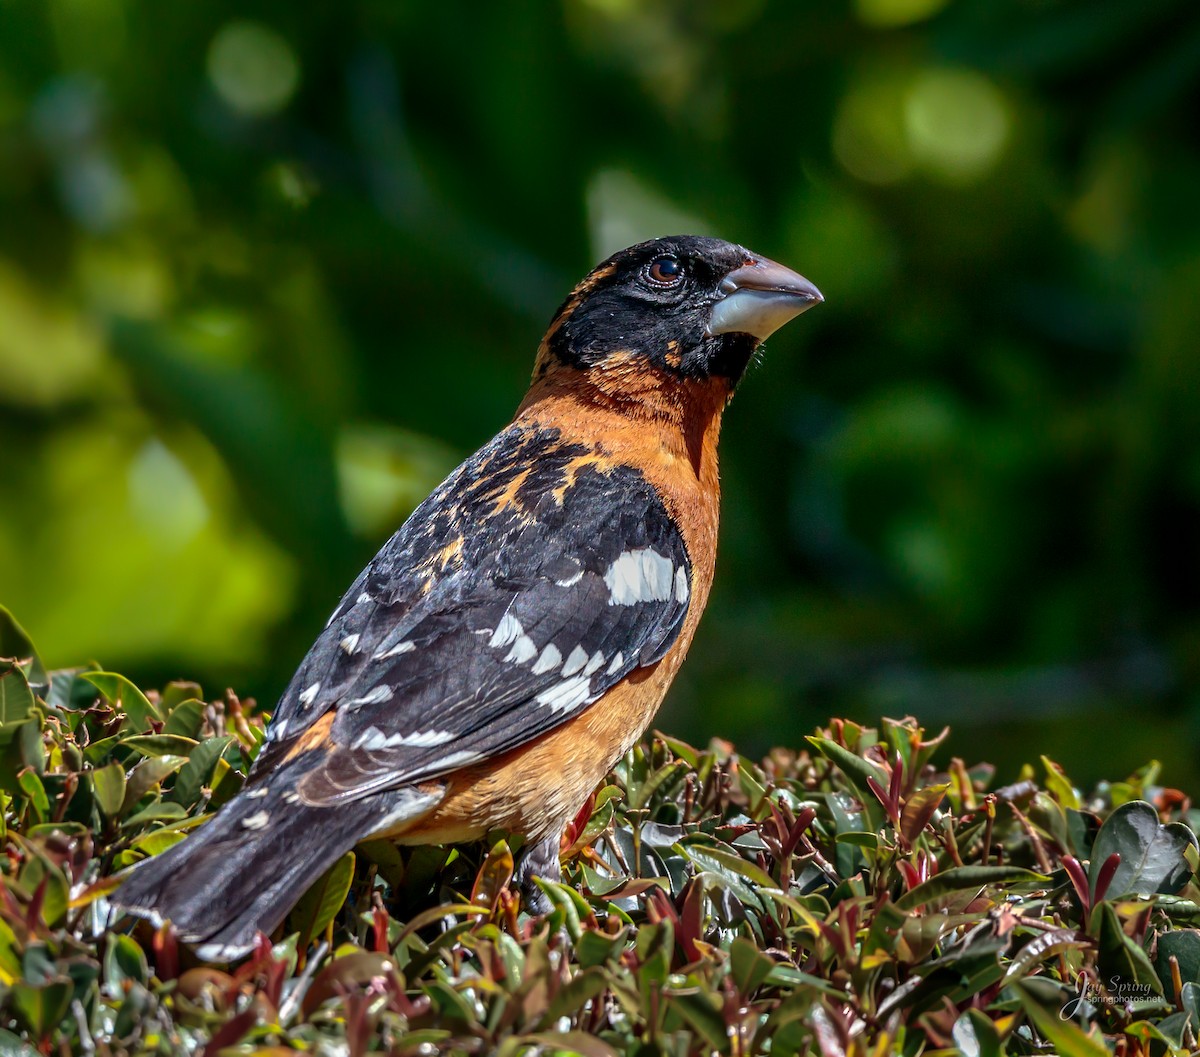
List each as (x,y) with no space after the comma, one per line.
(851,897)
(267,271)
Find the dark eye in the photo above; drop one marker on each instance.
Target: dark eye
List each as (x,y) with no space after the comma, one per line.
(666,271)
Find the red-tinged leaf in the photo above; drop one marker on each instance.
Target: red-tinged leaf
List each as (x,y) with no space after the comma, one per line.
(828,1039)
(636,886)
(881,795)
(690,929)
(575,826)
(232,1031)
(964,879)
(803,820)
(918,810)
(494,877)
(1105,875)
(570,1042)
(347,974)
(380,922)
(1078,881)
(1041,947)
(911,877)
(166,952)
(445,910)
(660,908)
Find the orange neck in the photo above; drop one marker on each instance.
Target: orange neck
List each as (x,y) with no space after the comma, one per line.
(624,407)
(666,428)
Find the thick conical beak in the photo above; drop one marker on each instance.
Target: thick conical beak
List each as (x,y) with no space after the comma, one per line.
(759,298)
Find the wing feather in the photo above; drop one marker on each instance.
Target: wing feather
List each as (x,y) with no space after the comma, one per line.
(532,581)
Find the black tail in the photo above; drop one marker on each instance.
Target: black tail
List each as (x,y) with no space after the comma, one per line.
(241,873)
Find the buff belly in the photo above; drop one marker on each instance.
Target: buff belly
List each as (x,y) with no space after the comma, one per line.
(536,789)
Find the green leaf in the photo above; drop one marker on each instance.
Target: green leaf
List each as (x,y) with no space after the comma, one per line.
(125,697)
(124,961)
(195,774)
(160,744)
(1044,945)
(320,904)
(574,995)
(1152,855)
(965,879)
(35,793)
(655,781)
(179,692)
(975,1035)
(1120,958)
(1058,784)
(857,771)
(16,700)
(159,811)
(704,1014)
(157,841)
(1184,945)
(748,966)
(16,645)
(722,861)
(148,774)
(67,692)
(109,785)
(1067,1038)
(185,719)
(41,1009)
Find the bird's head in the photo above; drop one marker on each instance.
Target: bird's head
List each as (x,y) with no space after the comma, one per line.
(694,307)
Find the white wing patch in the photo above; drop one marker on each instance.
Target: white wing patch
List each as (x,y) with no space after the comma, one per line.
(682,591)
(507,631)
(548,661)
(395,651)
(576,659)
(256,821)
(374,738)
(349,644)
(564,696)
(641,575)
(375,696)
(523,650)
(307,697)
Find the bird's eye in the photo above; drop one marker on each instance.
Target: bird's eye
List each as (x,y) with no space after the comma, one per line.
(666,271)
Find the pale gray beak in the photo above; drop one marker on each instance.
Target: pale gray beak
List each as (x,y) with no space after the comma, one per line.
(759,298)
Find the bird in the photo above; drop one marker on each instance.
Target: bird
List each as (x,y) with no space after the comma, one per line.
(515,637)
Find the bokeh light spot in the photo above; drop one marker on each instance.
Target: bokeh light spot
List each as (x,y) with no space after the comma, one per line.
(957,123)
(868,133)
(886,14)
(164,496)
(623,210)
(253,68)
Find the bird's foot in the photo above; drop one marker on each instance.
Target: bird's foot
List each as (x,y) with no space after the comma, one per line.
(538,860)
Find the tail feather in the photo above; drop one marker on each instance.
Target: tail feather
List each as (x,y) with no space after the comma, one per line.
(242,872)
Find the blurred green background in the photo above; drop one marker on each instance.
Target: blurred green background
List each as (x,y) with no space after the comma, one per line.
(268,271)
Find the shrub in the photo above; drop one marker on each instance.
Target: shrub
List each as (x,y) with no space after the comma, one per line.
(848,897)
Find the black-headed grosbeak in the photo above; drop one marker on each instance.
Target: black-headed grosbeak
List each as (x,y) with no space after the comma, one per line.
(516,636)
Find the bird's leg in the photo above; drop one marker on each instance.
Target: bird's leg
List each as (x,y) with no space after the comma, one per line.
(538,860)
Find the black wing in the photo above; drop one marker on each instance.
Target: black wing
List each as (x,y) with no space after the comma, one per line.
(534,579)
